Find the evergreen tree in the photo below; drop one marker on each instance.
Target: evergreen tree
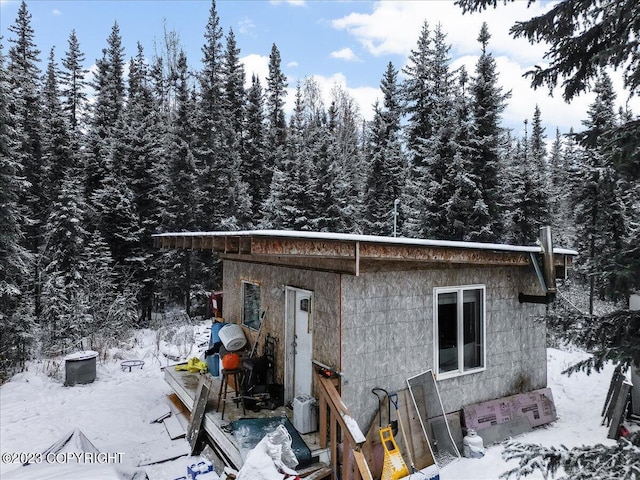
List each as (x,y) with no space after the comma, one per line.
(598,208)
(559,191)
(346,162)
(276,127)
(530,204)
(17,329)
(213,164)
(109,100)
(233,112)
(465,197)
(184,204)
(23,75)
(72,82)
(418,96)
(584,39)
(486,138)
(438,149)
(254,154)
(289,203)
(63,231)
(143,170)
(386,173)
(606,462)
(276,93)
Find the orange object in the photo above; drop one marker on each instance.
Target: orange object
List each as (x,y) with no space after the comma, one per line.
(231,361)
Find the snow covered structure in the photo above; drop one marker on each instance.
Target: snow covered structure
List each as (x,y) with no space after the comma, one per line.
(382,309)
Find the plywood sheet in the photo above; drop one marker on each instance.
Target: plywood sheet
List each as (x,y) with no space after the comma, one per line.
(174,427)
(415,441)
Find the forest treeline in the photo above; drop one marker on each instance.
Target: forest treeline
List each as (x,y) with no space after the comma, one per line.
(93,165)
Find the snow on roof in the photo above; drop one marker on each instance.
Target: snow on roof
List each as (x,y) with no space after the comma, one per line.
(350,237)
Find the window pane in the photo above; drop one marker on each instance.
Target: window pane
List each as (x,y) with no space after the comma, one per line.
(251,305)
(447,332)
(472,325)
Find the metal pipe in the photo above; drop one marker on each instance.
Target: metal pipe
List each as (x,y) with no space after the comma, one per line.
(548,264)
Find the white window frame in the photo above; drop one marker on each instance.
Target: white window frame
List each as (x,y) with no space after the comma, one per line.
(460,341)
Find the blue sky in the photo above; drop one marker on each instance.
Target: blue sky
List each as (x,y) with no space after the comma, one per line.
(338,42)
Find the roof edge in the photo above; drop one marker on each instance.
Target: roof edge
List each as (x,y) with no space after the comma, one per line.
(370,239)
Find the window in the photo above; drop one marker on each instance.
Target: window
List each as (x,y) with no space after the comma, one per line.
(251,305)
(459,329)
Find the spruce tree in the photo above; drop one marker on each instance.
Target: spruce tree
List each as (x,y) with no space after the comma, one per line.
(530,202)
(63,230)
(418,95)
(386,163)
(597,206)
(288,205)
(72,82)
(213,164)
(23,75)
(17,328)
(144,169)
(584,39)
(253,168)
(276,134)
(346,160)
(109,100)
(233,112)
(486,138)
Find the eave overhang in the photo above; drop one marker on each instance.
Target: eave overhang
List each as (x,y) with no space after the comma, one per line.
(353,254)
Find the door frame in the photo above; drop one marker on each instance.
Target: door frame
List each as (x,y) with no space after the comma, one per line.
(289,328)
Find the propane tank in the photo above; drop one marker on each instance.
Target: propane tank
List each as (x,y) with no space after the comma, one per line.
(473,445)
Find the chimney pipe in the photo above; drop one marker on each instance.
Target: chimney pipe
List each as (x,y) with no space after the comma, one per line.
(548,264)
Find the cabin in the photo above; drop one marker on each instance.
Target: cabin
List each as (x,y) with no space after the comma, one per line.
(379,310)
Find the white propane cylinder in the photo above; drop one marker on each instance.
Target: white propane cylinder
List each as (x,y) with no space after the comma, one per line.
(473,445)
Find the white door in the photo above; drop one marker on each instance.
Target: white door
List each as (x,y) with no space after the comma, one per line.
(299,368)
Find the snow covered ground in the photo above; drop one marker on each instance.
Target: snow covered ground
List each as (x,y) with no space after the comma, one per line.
(36,410)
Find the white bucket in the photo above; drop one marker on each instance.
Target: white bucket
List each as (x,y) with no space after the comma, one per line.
(232,337)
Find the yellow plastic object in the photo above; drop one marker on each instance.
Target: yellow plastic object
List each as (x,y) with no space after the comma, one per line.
(193,365)
(393,466)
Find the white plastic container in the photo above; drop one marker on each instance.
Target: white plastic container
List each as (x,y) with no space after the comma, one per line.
(305,418)
(232,337)
(473,446)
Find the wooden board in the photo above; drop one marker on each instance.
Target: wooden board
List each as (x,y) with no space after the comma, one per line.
(198,410)
(620,406)
(175,404)
(171,451)
(159,413)
(174,427)
(420,451)
(612,395)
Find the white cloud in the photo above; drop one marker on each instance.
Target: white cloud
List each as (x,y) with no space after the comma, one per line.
(393,27)
(345,54)
(55,11)
(295,3)
(255,64)
(246,26)
(292,64)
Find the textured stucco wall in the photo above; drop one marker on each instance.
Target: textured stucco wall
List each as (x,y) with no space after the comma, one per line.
(388,335)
